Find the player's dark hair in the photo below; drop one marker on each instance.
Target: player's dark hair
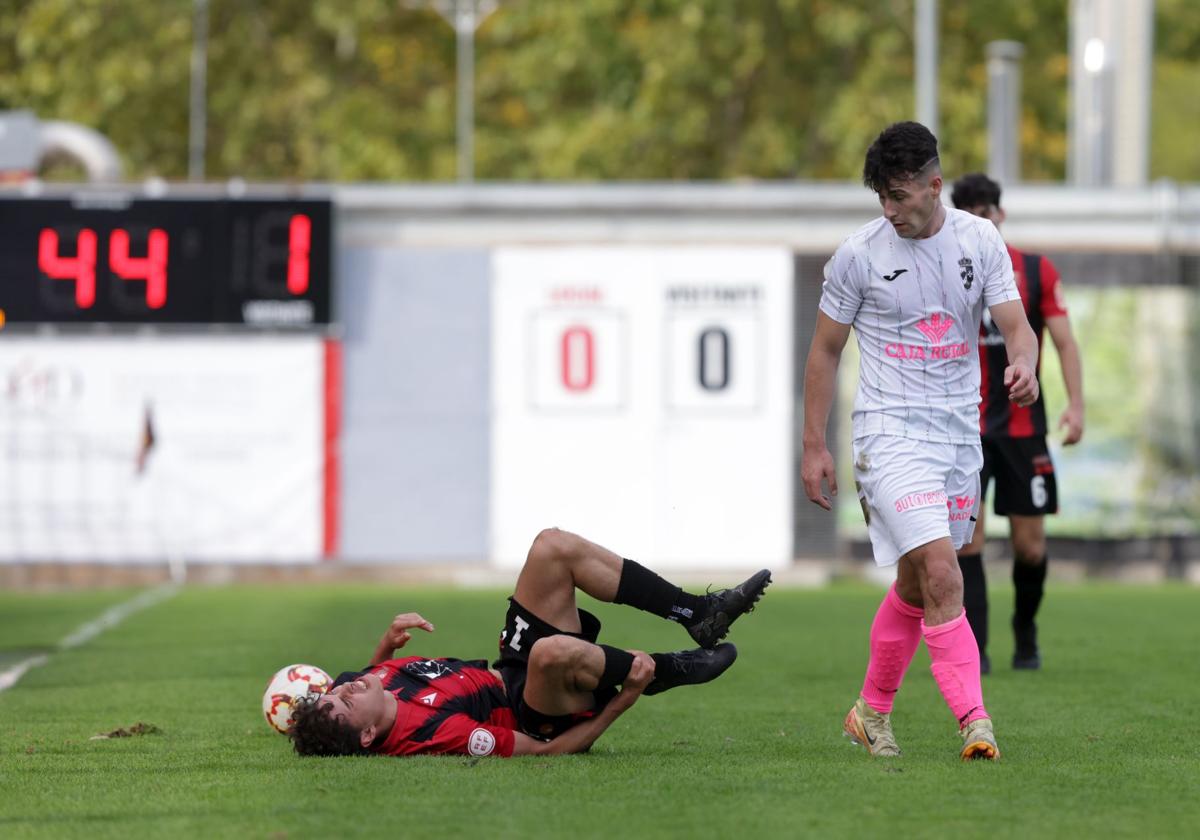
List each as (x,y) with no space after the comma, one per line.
(975,190)
(901,151)
(315,731)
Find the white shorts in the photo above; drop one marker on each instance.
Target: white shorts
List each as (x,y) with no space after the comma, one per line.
(914,492)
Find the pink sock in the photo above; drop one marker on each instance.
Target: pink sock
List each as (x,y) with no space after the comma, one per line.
(955,667)
(895,634)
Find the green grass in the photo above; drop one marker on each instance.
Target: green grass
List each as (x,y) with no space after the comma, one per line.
(1097,744)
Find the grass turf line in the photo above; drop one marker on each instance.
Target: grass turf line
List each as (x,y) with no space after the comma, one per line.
(1097,743)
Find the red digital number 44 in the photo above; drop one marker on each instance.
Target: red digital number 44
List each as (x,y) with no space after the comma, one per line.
(81,268)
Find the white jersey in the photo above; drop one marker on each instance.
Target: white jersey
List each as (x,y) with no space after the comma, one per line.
(915,305)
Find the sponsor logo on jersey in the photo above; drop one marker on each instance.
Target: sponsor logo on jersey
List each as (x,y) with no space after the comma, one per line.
(894,274)
(915,352)
(481,742)
(935,326)
(429,698)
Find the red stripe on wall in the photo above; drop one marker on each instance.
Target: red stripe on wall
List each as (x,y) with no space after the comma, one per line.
(333,421)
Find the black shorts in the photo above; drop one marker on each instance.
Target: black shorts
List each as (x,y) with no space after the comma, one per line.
(1024,474)
(521,629)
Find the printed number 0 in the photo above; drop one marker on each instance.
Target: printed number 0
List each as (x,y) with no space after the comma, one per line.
(713,370)
(1037,489)
(578,354)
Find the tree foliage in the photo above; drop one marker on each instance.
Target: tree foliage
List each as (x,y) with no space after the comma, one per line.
(587,90)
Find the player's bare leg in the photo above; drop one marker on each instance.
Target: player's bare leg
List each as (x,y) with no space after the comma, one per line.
(559,562)
(562,674)
(1029,581)
(929,577)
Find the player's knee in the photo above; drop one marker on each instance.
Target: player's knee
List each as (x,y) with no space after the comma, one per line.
(941,571)
(553,653)
(1030,552)
(549,545)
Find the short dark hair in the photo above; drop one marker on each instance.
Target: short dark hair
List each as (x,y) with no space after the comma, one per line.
(315,731)
(901,151)
(975,190)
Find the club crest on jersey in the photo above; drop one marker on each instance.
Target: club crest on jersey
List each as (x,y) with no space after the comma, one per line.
(429,669)
(967,273)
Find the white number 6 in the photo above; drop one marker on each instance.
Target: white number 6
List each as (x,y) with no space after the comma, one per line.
(1037,489)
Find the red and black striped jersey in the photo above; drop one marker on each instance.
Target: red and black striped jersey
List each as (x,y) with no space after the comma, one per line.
(1041,294)
(444,706)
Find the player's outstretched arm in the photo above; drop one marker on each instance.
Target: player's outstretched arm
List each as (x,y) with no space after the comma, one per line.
(397,635)
(579,738)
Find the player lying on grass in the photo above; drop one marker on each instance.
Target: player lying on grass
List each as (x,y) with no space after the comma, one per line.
(554,688)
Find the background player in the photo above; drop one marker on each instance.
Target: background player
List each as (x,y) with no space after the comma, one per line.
(913,284)
(1014,439)
(553,689)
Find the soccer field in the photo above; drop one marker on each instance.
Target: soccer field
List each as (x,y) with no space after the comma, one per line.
(1096,744)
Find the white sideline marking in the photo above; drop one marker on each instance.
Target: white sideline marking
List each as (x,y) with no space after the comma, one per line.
(90,630)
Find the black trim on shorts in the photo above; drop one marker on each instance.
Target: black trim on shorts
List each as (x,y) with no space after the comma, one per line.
(514,660)
(1016,464)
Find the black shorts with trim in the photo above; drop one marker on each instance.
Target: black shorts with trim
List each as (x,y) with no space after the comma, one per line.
(1024,473)
(521,629)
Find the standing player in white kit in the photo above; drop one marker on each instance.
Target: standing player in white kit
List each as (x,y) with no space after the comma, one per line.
(913,284)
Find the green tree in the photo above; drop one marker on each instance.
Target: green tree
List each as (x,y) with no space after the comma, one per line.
(586,90)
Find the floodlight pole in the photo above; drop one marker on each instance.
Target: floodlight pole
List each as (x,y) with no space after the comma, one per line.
(926,27)
(465,16)
(1004,110)
(197,118)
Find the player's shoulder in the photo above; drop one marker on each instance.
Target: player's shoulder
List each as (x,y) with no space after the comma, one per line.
(873,231)
(858,244)
(963,222)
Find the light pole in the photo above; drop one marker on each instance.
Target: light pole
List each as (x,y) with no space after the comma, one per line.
(465,16)
(197,118)
(926,28)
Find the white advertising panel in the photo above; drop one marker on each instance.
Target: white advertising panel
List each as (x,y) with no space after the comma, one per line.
(642,397)
(126,449)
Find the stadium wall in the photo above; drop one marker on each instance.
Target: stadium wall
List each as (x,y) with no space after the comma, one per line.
(423,423)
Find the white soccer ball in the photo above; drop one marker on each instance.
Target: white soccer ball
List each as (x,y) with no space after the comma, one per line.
(285,687)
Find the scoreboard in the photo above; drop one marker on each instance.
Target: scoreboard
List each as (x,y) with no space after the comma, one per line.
(115,259)
(643,398)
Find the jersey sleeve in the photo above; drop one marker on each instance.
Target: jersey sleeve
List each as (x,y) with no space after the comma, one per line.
(1052,302)
(999,285)
(461,734)
(842,291)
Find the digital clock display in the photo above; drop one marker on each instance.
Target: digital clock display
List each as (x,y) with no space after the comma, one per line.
(173,261)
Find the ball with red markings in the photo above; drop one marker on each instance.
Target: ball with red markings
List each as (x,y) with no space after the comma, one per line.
(285,687)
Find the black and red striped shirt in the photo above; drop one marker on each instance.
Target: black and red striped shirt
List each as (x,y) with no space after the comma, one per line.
(1041,293)
(444,706)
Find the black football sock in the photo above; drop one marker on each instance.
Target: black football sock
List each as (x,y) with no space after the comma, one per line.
(641,588)
(975,597)
(1030,583)
(617,663)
